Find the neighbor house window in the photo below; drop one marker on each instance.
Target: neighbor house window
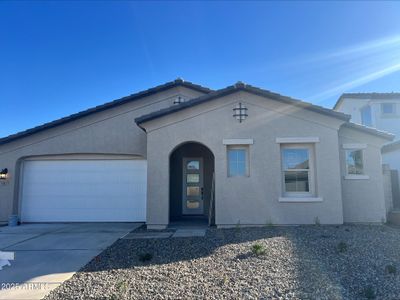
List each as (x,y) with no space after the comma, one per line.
(366,116)
(388,108)
(298,169)
(354,162)
(238,157)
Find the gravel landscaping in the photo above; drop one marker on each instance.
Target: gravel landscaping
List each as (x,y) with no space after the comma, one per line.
(306,262)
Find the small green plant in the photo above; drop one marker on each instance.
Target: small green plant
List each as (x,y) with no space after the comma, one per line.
(143,257)
(341,247)
(237,227)
(390,269)
(258,249)
(317,221)
(369,292)
(268,223)
(121,286)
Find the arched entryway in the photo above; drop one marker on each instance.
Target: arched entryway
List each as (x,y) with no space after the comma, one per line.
(191,184)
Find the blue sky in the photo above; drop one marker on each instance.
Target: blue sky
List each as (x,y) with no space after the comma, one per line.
(58,58)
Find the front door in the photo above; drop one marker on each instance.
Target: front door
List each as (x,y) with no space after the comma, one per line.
(192,200)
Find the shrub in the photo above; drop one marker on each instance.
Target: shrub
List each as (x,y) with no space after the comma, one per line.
(143,257)
(121,286)
(341,247)
(258,249)
(369,292)
(390,269)
(237,225)
(268,223)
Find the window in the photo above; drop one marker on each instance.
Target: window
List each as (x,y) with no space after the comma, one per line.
(298,170)
(366,116)
(354,162)
(388,108)
(193,165)
(238,161)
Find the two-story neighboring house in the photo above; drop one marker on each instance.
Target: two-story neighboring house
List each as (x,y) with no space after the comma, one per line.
(380,111)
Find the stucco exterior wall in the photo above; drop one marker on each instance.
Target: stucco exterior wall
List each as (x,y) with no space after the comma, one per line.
(353,107)
(252,200)
(109,132)
(363,200)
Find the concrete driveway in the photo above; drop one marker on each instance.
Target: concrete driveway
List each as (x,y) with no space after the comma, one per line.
(48,254)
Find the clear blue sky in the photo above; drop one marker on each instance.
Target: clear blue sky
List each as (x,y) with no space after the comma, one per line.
(58,58)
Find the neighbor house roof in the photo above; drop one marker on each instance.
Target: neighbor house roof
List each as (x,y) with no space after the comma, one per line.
(391,147)
(133,97)
(241,87)
(367,96)
(370,130)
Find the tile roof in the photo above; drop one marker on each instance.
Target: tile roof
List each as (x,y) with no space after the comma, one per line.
(99,108)
(367,96)
(391,147)
(241,87)
(384,134)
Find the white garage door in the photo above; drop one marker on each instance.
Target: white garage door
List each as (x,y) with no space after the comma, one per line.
(84,191)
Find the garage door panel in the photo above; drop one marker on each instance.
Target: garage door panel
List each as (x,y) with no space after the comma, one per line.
(83,216)
(84,190)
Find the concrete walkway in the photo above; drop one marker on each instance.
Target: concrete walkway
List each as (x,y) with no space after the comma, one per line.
(195,232)
(48,254)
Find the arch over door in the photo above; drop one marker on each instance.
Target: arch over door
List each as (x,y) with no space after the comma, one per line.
(106,190)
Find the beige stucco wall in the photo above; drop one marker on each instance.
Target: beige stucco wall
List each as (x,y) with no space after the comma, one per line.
(252,200)
(249,201)
(363,200)
(109,132)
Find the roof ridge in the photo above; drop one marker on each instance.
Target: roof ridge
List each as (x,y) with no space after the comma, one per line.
(104,106)
(237,87)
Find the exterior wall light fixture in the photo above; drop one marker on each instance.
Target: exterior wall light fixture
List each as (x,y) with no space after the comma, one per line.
(4,174)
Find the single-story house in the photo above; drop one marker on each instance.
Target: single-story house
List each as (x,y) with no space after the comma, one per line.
(238,155)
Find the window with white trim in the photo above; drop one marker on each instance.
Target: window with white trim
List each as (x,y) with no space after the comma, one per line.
(298,170)
(354,162)
(366,115)
(238,161)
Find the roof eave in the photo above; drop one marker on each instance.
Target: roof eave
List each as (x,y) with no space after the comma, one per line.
(391,147)
(235,88)
(382,134)
(103,107)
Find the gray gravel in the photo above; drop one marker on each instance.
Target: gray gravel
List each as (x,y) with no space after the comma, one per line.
(306,262)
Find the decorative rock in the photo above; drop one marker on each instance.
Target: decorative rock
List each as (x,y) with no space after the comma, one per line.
(298,263)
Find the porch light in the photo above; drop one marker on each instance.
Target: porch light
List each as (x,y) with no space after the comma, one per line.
(240,112)
(4,174)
